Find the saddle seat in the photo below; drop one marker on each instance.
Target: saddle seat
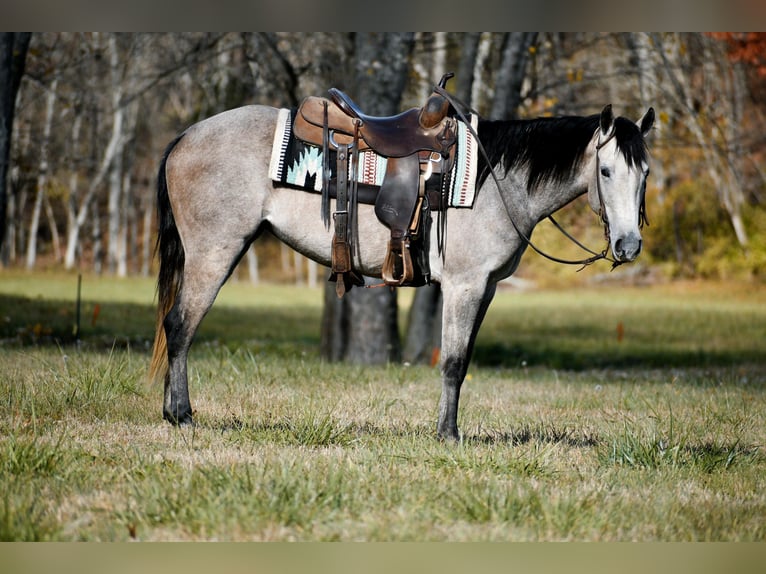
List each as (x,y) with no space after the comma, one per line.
(389,136)
(411,131)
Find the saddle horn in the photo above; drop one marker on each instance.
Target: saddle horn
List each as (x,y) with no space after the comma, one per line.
(436,107)
(445,78)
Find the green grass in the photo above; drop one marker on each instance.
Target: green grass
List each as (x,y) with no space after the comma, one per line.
(569,433)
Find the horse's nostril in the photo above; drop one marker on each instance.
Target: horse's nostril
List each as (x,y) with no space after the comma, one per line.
(627,248)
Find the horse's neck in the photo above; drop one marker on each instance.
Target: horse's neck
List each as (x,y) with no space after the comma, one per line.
(551,196)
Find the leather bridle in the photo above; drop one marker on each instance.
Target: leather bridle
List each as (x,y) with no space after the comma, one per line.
(595,256)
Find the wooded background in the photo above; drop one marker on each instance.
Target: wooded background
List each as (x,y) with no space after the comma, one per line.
(86,116)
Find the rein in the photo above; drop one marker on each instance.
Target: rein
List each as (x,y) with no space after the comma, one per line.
(459,106)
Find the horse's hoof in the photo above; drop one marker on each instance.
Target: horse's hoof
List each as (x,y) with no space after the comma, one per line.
(452,437)
(184,420)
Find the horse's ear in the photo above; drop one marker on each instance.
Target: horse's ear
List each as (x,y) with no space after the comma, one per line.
(646,122)
(607,120)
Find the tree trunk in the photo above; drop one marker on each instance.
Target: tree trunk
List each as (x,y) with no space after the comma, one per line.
(74,184)
(430,68)
(17,197)
(374,333)
(116,165)
(9,245)
(42,177)
(299,261)
(423,337)
(511,75)
(98,244)
(284,257)
(146,233)
(313,269)
(335,330)
(464,78)
(127,214)
(362,326)
(648,92)
(482,53)
(440,59)
(111,150)
(252,266)
(124,220)
(113,211)
(53,226)
(13,53)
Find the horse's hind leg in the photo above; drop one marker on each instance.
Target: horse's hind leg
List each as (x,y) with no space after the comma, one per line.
(177,406)
(202,279)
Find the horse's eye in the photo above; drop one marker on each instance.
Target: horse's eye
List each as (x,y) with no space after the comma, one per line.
(605,172)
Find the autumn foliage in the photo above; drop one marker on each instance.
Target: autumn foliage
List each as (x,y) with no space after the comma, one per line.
(747,47)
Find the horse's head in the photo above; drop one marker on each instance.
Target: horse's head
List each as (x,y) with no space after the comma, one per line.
(616,190)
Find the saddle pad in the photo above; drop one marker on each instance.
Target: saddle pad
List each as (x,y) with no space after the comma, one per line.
(296,163)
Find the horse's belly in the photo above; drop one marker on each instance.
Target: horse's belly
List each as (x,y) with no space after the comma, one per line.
(296,220)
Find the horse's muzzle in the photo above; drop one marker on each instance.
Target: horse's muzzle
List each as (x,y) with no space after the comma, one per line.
(627,248)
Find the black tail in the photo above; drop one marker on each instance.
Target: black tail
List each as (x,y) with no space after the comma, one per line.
(170,252)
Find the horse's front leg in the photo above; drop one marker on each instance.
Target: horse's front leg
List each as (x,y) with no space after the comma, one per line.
(464,309)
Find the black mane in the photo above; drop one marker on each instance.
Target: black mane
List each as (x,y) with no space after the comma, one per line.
(551,149)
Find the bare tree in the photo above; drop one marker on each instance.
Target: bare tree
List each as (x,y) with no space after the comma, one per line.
(647,67)
(511,74)
(13,53)
(465,72)
(42,178)
(478,85)
(711,113)
(79,210)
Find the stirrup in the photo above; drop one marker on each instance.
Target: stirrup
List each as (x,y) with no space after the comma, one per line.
(397,267)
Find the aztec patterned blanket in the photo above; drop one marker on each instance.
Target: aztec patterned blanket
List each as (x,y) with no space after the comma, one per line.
(296,163)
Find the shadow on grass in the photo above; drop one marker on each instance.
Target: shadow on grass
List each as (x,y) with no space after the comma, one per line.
(584,357)
(544,433)
(39,322)
(573,345)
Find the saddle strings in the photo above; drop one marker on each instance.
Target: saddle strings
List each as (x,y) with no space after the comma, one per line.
(325,170)
(459,106)
(354,195)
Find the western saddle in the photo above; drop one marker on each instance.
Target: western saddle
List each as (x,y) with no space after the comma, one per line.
(415,143)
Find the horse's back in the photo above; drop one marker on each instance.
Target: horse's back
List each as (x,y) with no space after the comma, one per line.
(232,134)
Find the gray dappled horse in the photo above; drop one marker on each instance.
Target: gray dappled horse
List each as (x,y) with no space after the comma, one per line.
(215,197)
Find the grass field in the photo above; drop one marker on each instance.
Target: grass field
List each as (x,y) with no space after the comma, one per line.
(589,414)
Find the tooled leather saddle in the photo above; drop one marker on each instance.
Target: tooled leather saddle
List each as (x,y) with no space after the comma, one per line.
(416,143)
